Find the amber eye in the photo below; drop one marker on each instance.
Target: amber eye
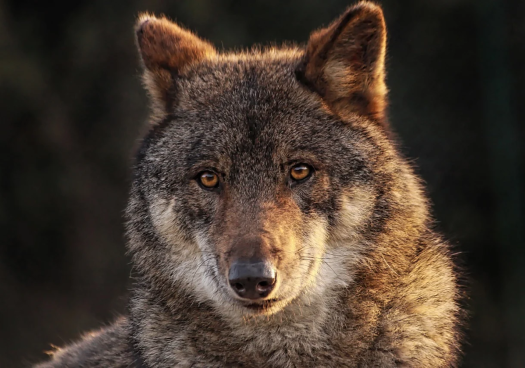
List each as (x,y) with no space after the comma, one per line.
(300,172)
(209,179)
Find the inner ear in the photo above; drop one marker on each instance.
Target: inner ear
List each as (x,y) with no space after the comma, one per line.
(344,63)
(166,50)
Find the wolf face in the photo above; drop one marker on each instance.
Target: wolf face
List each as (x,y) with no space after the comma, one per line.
(271,221)
(262,180)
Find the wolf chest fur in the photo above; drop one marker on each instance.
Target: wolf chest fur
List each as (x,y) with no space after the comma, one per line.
(272,221)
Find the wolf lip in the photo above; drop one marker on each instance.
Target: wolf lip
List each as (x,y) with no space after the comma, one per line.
(262,305)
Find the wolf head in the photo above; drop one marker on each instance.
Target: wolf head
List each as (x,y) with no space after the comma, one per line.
(267,177)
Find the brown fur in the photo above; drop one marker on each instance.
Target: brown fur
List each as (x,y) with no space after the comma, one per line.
(363,281)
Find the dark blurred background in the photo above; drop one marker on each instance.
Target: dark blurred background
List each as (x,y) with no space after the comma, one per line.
(72,110)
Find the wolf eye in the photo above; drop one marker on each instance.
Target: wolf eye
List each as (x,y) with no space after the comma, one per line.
(300,172)
(208,179)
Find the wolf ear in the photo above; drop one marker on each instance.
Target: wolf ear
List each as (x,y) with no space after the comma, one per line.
(166,49)
(344,63)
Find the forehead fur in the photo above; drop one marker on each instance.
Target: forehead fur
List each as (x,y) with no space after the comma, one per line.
(252,98)
(253,79)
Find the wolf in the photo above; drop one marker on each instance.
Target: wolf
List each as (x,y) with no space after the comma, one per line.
(272,221)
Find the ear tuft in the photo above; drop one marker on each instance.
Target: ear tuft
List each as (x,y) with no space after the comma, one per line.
(166,50)
(344,62)
(163,44)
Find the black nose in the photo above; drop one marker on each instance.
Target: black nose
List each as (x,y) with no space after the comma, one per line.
(252,279)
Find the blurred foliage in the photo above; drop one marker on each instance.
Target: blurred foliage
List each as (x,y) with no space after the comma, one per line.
(72,110)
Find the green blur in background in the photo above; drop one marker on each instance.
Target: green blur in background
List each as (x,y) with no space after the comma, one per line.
(72,110)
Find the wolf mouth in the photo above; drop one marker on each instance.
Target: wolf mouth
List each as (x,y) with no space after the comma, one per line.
(265,304)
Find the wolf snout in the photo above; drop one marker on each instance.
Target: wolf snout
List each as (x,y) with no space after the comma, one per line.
(252,279)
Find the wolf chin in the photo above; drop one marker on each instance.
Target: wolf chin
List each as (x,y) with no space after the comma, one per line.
(272,221)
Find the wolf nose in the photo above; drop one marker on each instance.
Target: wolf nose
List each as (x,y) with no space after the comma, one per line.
(252,279)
